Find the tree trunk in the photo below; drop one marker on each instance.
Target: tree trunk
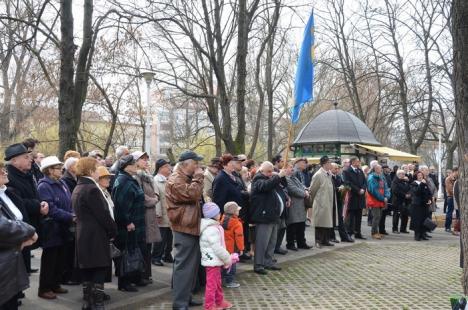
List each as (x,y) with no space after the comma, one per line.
(460,49)
(67,133)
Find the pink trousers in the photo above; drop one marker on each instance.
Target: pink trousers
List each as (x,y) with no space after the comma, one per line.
(214,291)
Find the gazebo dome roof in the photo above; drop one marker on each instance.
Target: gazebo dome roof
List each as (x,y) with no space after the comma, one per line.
(335,126)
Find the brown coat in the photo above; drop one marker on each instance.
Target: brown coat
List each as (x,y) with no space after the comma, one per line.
(183,195)
(151,199)
(94,225)
(449,182)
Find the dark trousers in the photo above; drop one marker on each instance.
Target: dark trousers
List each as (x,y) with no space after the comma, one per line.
(27,258)
(341,225)
(11,304)
(383,217)
(70,272)
(163,249)
(147,258)
(400,213)
(52,264)
(322,235)
(94,275)
(186,263)
(353,221)
(449,215)
(281,233)
(295,232)
(245,228)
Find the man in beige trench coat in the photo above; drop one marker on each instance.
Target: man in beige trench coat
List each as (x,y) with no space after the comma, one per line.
(322,196)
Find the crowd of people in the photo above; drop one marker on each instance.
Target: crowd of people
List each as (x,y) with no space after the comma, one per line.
(89,213)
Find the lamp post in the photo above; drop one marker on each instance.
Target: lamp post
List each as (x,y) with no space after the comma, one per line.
(148,76)
(439,159)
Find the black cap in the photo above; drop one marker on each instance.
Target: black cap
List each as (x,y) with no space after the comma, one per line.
(385,166)
(324,160)
(190,155)
(126,161)
(215,162)
(15,150)
(159,163)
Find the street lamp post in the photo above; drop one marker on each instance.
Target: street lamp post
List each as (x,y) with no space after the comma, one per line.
(439,159)
(148,76)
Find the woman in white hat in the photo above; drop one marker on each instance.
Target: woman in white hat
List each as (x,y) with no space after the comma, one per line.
(56,227)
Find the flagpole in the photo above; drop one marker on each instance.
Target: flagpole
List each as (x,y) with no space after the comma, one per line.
(286,151)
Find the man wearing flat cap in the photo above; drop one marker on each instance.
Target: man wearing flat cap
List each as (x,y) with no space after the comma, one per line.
(184,189)
(322,196)
(22,184)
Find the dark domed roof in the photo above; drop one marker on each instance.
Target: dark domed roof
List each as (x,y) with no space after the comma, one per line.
(336,126)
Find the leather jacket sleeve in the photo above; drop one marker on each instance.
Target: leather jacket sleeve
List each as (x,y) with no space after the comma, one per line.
(13,233)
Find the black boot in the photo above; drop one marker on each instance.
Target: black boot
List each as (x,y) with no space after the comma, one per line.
(98,297)
(87,296)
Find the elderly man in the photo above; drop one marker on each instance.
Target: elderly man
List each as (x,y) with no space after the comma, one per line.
(355,179)
(22,184)
(339,188)
(322,195)
(227,186)
(210,173)
(268,202)
(184,189)
(31,144)
(119,153)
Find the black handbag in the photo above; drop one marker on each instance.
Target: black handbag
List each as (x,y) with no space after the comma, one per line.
(131,261)
(429,224)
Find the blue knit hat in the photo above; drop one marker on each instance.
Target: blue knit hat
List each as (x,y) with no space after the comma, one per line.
(210,210)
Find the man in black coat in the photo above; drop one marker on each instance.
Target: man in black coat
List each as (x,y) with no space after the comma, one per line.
(354,178)
(22,184)
(267,204)
(35,170)
(226,186)
(338,184)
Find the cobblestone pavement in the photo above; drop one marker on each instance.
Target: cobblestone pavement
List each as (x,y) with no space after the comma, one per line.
(395,273)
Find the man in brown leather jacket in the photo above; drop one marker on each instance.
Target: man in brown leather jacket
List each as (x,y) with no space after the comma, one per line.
(184,189)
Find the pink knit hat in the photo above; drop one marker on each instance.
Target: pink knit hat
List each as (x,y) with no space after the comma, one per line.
(210,210)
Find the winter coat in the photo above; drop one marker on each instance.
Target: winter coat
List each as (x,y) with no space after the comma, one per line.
(265,206)
(322,196)
(233,233)
(227,188)
(151,199)
(377,191)
(420,195)
(70,180)
(161,206)
(183,195)
(94,225)
(212,245)
(433,190)
(129,208)
(23,185)
(400,188)
(56,228)
(356,180)
(449,182)
(13,275)
(208,186)
(296,190)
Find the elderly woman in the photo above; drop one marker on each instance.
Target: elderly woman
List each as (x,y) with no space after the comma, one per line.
(56,228)
(146,182)
(295,221)
(377,198)
(69,173)
(401,200)
(420,203)
(433,189)
(94,230)
(129,200)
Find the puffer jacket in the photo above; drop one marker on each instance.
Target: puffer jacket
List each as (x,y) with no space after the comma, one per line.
(212,245)
(183,195)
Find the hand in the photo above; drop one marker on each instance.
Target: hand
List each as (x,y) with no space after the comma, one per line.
(406,179)
(385,199)
(198,171)
(29,241)
(130,227)
(44,208)
(282,173)
(159,220)
(307,195)
(423,181)
(361,192)
(74,219)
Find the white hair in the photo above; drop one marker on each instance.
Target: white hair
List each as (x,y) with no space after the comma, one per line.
(423,167)
(70,162)
(120,151)
(373,163)
(334,165)
(404,166)
(265,165)
(400,172)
